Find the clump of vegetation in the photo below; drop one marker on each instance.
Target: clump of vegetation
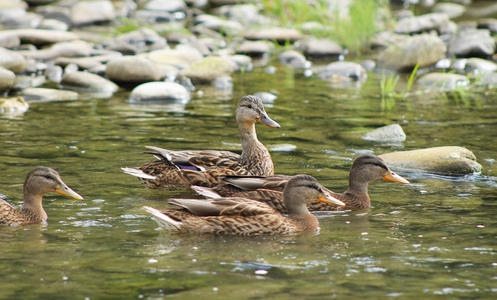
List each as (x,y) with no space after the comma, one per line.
(353,30)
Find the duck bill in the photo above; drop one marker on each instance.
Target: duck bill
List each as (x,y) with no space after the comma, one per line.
(66,191)
(266,120)
(391,176)
(329,199)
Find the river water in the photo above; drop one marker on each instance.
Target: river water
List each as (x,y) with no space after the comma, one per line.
(436,237)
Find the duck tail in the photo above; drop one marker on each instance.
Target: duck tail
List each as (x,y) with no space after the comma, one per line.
(138,173)
(164,221)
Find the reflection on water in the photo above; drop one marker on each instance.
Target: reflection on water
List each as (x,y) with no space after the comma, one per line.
(433,237)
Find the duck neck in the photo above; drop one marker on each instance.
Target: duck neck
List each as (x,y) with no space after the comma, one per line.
(32,208)
(306,222)
(248,137)
(357,193)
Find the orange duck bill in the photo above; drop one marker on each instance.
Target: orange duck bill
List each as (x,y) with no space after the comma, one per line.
(391,176)
(329,199)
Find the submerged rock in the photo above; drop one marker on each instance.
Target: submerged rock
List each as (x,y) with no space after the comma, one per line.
(343,70)
(472,42)
(88,82)
(386,134)
(443,81)
(447,160)
(278,34)
(13,105)
(43,94)
(159,92)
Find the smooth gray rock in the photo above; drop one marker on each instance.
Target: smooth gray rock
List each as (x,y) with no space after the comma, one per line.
(224,82)
(344,70)
(76,48)
(9,40)
(171,6)
(294,59)
(320,48)
(42,37)
(227,27)
(387,134)
(25,81)
(89,12)
(44,94)
(488,23)
(241,63)
(471,43)
(423,23)
(489,79)
(12,60)
(255,48)
(443,81)
(87,82)
(207,69)
(453,10)
(53,24)
(278,34)
(159,92)
(133,69)
(242,13)
(424,49)
(139,40)
(477,67)
(13,106)
(177,58)
(7,79)
(448,160)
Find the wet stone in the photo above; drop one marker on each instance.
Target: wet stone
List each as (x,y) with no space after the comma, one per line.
(448,160)
(453,10)
(472,43)
(76,48)
(15,105)
(12,60)
(443,81)
(489,24)
(255,48)
(344,70)
(294,59)
(7,79)
(320,48)
(9,40)
(42,37)
(423,23)
(87,82)
(207,69)
(278,34)
(477,67)
(90,12)
(24,81)
(177,58)
(45,94)
(159,92)
(386,134)
(241,63)
(132,69)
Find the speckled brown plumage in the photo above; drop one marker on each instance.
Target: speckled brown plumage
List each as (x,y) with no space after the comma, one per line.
(243,216)
(182,169)
(366,168)
(40,180)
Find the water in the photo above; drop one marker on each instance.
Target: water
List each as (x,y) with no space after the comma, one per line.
(433,238)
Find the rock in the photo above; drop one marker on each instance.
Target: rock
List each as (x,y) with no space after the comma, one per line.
(489,79)
(207,69)
(278,34)
(27,20)
(53,24)
(294,59)
(255,48)
(87,82)
(471,43)
(224,82)
(44,94)
(12,60)
(344,70)
(15,105)
(242,13)
(9,40)
(477,67)
(453,10)
(90,12)
(136,41)
(133,69)
(226,27)
(159,92)
(266,97)
(76,48)
(241,63)
(488,23)
(42,37)
(448,160)
(423,23)
(54,73)
(60,13)
(320,48)
(384,39)
(7,79)
(171,6)
(424,49)
(24,81)
(177,58)
(443,81)
(386,134)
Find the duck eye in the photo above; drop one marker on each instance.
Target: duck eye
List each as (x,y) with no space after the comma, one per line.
(49,177)
(250,106)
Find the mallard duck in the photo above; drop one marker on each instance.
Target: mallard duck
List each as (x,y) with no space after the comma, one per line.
(242,216)
(365,168)
(182,169)
(40,181)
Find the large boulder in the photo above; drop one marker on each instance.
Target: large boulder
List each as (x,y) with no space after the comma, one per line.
(447,160)
(208,69)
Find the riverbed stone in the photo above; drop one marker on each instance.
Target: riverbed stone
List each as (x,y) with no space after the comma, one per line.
(53,24)
(87,82)
(7,79)
(423,23)
(227,27)
(241,63)
(488,23)
(279,34)
(387,134)
(472,43)
(489,79)
(9,40)
(55,12)
(175,57)
(14,105)
(476,67)
(46,94)
(86,63)
(453,10)
(255,48)
(77,48)
(207,69)
(320,48)
(159,92)
(423,49)
(171,6)
(242,13)
(343,70)
(133,69)
(12,60)
(28,81)
(443,81)
(42,37)
(294,59)
(446,160)
(89,12)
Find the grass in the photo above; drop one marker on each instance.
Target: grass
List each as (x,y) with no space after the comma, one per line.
(353,30)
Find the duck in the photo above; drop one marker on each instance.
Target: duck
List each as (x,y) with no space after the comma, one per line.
(244,216)
(268,189)
(39,181)
(181,169)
